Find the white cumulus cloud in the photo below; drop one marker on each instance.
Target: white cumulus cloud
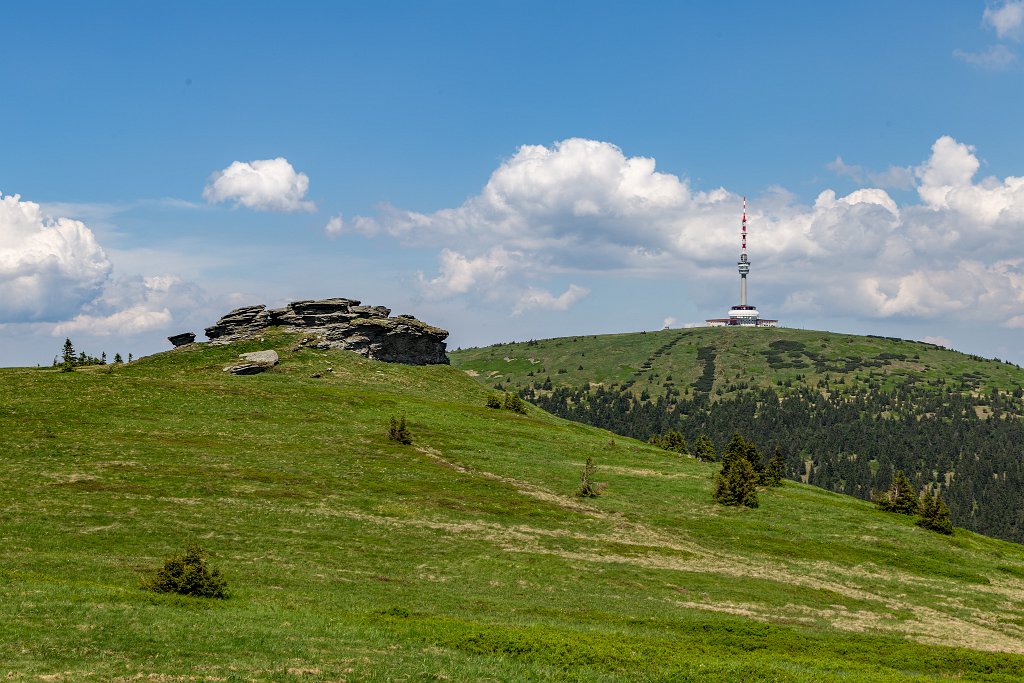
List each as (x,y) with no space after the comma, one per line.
(1007,19)
(460,274)
(129,321)
(264,185)
(133,305)
(534,298)
(49,267)
(994,57)
(938,341)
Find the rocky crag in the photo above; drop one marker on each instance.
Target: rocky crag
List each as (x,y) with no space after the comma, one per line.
(341,324)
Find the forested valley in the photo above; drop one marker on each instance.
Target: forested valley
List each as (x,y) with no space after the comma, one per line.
(849,441)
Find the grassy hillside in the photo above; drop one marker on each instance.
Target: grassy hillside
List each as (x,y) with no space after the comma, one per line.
(744,358)
(464,556)
(846,411)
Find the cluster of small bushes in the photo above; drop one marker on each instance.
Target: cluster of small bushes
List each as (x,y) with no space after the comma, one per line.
(507,402)
(903,499)
(674,441)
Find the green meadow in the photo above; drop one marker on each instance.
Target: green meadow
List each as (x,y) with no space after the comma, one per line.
(464,556)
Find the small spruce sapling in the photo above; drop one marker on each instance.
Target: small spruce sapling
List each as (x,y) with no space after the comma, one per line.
(398,431)
(736,484)
(188,574)
(588,488)
(674,441)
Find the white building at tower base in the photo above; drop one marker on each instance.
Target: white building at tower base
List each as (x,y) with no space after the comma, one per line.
(741,316)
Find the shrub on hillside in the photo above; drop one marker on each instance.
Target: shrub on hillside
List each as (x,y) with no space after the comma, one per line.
(188,574)
(671,441)
(493,401)
(398,431)
(514,403)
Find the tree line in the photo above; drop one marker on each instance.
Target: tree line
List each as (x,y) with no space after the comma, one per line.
(70,359)
(852,442)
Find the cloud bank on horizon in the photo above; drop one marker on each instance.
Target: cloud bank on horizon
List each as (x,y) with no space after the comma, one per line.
(583,208)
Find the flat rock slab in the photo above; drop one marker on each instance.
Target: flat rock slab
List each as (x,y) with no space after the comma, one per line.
(247,369)
(255,363)
(262,357)
(182,339)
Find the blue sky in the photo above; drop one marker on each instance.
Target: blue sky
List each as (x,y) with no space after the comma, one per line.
(511,170)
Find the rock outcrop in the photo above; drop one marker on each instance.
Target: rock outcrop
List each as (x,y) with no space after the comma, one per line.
(341,324)
(182,339)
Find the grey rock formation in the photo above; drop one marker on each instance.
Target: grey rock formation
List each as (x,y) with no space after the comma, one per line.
(182,339)
(341,324)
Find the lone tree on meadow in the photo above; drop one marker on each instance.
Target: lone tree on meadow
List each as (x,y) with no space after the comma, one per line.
(399,431)
(188,574)
(736,484)
(68,354)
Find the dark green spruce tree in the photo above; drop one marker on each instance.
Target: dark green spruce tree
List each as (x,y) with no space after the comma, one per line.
(935,514)
(901,497)
(704,450)
(736,484)
(775,470)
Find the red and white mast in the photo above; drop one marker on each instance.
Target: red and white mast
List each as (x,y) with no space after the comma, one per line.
(744,262)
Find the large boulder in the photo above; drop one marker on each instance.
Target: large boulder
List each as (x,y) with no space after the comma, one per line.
(255,362)
(341,324)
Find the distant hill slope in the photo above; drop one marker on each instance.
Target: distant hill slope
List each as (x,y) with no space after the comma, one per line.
(463,556)
(848,410)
